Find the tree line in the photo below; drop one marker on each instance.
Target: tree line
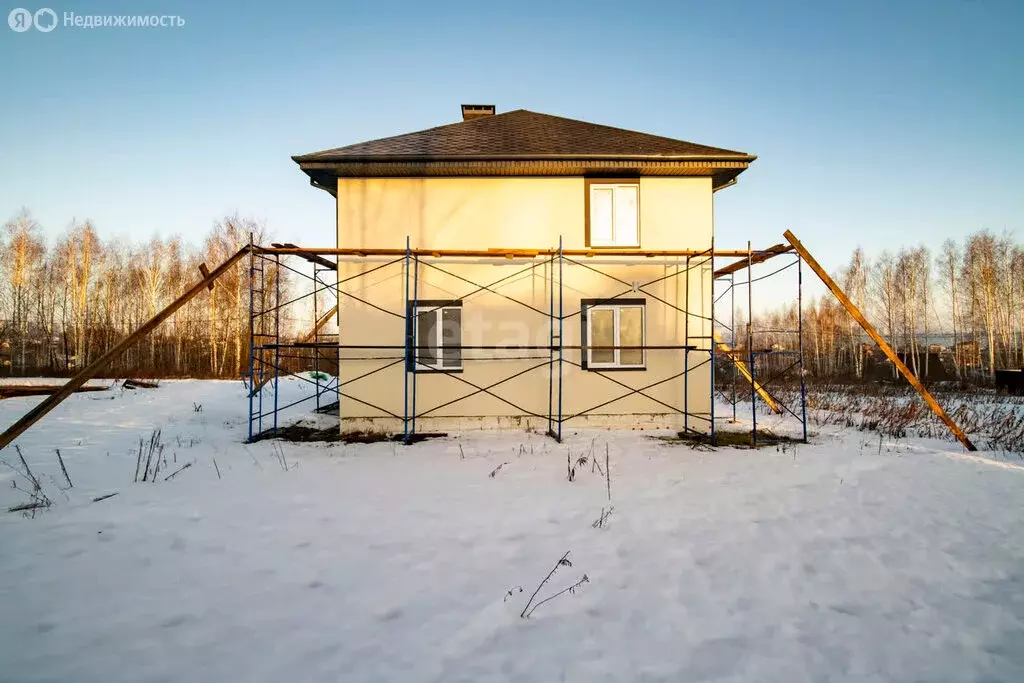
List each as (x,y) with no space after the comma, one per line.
(64,302)
(968,297)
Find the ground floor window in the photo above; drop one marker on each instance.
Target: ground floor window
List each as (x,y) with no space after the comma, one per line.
(613,334)
(434,335)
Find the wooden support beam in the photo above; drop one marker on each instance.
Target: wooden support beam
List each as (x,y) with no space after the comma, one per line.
(97,366)
(305,339)
(510,253)
(319,324)
(757,257)
(496,252)
(878,339)
(205,272)
(258,385)
(745,371)
(311,257)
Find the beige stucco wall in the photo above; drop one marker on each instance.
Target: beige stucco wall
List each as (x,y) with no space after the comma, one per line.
(480,213)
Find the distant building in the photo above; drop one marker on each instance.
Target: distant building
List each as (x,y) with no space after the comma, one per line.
(968,354)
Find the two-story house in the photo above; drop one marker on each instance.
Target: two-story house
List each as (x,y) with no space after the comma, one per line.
(609,324)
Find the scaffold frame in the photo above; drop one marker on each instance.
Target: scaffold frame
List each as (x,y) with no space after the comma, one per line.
(761,384)
(268,349)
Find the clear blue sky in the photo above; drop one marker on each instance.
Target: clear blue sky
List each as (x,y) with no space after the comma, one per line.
(875,123)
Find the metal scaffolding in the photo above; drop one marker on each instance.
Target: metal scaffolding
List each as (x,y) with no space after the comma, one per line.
(272,356)
(773,371)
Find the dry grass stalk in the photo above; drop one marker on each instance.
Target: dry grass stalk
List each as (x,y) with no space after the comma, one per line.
(175,472)
(563,561)
(64,469)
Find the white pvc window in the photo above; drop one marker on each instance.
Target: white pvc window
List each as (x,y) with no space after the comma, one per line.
(609,329)
(614,215)
(438,337)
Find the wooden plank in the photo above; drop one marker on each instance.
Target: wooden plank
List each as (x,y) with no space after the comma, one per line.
(878,339)
(756,257)
(260,383)
(496,252)
(319,324)
(19,390)
(311,257)
(745,371)
(97,366)
(305,339)
(205,272)
(509,253)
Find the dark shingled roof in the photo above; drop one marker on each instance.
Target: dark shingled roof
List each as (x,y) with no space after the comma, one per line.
(522,135)
(522,143)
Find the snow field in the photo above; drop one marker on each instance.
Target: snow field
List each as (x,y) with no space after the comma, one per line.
(381,562)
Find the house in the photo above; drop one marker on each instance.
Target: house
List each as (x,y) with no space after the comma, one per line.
(967,354)
(558,269)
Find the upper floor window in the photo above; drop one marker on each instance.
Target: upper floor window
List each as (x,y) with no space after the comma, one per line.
(435,334)
(613,213)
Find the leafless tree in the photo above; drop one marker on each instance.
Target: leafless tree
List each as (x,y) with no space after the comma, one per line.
(62,305)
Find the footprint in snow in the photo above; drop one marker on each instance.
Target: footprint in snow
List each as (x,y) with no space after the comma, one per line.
(175,621)
(390,614)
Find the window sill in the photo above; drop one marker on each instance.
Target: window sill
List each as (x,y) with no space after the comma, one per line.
(425,369)
(615,368)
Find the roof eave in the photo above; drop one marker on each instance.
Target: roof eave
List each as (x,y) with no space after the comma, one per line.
(324,174)
(320,157)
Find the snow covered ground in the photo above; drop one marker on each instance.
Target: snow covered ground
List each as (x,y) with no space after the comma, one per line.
(835,561)
(31,381)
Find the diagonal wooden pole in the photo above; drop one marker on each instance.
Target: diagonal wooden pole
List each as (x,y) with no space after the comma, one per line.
(319,324)
(97,366)
(257,386)
(741,364)
(757,257)
(882,344)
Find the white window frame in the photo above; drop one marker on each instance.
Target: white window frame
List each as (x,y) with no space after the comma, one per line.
(616,364)
(615,241)
(439,345)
